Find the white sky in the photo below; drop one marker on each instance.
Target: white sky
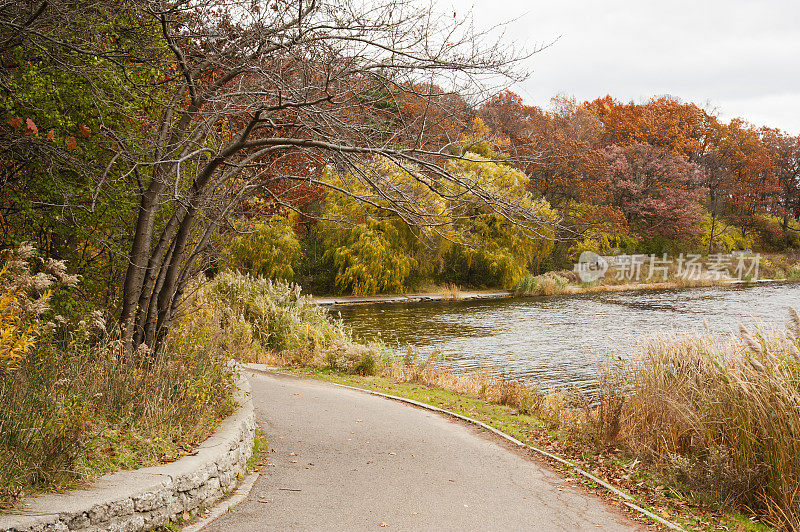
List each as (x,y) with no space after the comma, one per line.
(739,57)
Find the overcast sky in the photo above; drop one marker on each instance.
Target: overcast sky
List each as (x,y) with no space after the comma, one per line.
(739,57)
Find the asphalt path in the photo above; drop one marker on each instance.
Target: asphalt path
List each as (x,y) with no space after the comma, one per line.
(341,459)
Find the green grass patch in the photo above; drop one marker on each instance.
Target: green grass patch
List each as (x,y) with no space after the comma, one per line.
(260,448)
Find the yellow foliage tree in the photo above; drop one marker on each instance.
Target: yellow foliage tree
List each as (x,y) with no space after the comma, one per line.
(268,248)
(370,248)
(492,247)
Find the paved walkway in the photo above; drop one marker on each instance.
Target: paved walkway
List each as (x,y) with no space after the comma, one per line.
(347,460)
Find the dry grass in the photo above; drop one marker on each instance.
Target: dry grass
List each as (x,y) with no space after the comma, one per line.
(451,291)
(73,406)
(547,284)
(721,418)
(77,407)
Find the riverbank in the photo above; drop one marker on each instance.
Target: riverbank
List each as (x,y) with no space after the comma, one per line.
(620,277)
(689,429)
(329,301)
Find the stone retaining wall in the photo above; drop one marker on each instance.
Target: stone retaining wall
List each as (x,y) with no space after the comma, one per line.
(150,497)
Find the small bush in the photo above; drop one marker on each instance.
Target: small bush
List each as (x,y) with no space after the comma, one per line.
(367,365)
(793,274)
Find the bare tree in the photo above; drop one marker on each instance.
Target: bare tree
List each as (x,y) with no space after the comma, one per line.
(249,96)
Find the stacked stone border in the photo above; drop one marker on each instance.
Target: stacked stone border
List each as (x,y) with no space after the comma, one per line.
(150,497)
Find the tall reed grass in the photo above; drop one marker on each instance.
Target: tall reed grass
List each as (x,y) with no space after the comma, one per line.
(271,321)
(719,417)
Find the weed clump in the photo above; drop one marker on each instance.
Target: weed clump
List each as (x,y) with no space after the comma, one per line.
(546,284)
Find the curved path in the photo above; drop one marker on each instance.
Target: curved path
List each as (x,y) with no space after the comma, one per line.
(348,460)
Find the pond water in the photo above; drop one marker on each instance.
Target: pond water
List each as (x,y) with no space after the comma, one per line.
(558,340)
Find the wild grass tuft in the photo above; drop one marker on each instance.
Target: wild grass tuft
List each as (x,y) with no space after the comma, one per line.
(451,291)
(542,285)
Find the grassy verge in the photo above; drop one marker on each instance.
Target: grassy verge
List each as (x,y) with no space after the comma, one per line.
(74,407)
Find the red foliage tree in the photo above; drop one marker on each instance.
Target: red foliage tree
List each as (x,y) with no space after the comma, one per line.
(657,192)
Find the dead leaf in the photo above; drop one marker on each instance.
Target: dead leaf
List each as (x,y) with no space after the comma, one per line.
(16,122)
(31,128)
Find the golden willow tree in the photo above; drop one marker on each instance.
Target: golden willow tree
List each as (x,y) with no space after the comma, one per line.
(243,97)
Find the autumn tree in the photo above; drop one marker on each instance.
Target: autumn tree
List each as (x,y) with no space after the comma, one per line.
(785,166)
(658,193)
(663,122)
(232,87)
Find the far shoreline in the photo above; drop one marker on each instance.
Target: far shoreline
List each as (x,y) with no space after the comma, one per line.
(475,295)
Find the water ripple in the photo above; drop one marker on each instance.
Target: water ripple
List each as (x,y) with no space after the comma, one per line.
(558,340)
